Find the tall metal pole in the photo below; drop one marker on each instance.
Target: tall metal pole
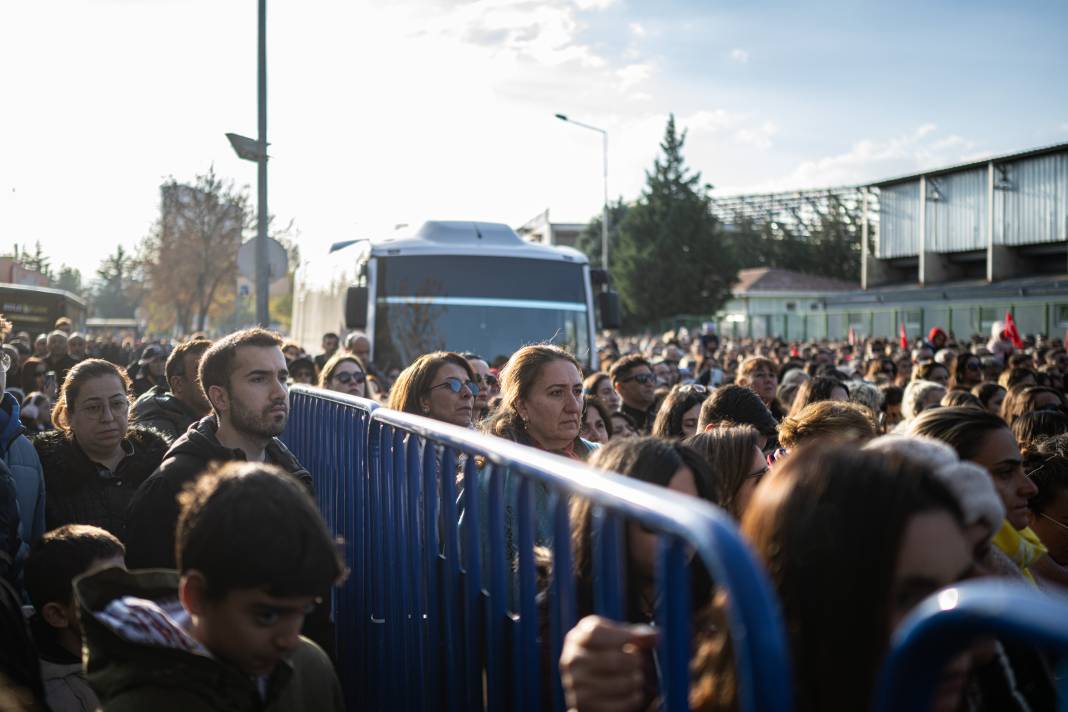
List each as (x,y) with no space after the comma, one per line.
(262,314)
(604,221)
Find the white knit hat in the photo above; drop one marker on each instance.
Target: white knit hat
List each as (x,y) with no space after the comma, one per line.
(971,483)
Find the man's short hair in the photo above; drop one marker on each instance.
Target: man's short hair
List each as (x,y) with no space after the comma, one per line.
(218,361)
(63,554)
(252,526)
(330,335)
(176,361)
(621,369)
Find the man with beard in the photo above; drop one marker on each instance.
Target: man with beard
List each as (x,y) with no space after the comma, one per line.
(172,410)
(244,378)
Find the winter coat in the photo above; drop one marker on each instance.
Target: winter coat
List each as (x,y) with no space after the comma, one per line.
(19,666)
(161,410)
(82,492)
(10,541)
(173,672)
(153,514)
(66,689)
(17,451)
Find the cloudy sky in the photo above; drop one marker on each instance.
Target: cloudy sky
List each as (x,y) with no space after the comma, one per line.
(394,112)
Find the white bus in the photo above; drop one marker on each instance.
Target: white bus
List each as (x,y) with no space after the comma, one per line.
(454,286)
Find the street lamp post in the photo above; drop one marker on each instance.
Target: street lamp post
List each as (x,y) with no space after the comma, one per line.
(604,219)
(256,150)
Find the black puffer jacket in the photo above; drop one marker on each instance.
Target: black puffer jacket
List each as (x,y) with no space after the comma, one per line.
(79,494)
(153,514)
(161,410)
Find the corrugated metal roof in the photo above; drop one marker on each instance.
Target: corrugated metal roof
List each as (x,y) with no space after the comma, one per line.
(1056,148)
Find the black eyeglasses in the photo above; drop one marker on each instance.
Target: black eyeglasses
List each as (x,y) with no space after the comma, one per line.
(454,384)
(642,378)
(346,377)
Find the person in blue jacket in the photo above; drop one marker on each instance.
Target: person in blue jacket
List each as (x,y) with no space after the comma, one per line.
(21,459)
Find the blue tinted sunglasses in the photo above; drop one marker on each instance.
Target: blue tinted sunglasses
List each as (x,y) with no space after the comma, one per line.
(454,384)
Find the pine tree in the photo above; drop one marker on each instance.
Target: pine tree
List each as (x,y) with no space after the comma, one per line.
(671,256)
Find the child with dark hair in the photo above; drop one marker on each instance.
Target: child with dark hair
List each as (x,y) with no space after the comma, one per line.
(223,632)
(59,557)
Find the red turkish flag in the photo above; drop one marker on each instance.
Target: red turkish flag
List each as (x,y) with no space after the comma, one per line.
(1012,332)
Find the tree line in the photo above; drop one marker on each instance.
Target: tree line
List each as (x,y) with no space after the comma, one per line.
(669,255)
(183,274)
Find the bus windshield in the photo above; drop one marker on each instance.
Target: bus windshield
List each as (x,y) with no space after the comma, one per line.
(487,305)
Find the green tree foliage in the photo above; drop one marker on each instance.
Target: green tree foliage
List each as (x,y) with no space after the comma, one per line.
(831,248)
(589,240)
(70,279)
(116,292)
(671,256)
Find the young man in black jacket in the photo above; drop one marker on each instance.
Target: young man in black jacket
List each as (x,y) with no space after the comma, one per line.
(172,408)
(244,377)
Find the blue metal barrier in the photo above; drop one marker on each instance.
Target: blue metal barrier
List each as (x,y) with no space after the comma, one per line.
(426,620)
(947,623)
(327,432)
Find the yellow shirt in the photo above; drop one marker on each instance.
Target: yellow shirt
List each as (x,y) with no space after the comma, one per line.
(1022,546)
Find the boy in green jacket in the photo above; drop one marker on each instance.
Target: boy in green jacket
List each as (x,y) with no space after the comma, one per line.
(254,557)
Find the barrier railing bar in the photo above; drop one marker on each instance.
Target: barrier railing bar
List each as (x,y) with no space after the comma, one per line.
(400,597)
(948,621)
(455,680)
(497,619)
(527,659)
(472,591)
(563,586)
(417,554)
(608,574)
(673,618)
(432,562)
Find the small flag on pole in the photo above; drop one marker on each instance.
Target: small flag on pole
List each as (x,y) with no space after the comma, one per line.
(904,337)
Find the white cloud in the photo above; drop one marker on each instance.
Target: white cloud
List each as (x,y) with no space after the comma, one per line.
(1064,127)
(874,159)
(632,75)
(637,29)
(739,55)
(757,135)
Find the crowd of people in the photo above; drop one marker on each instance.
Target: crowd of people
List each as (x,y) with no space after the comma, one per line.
(865,474)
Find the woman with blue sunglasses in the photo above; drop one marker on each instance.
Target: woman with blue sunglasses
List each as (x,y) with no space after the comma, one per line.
(439,385)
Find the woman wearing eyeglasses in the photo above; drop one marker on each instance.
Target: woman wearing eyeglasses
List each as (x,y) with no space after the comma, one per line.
(95,461)
(488,386)
(344,373)
(439,385)
(735,461)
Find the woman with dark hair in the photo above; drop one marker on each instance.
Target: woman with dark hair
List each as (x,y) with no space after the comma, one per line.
(439,385)
(985,439)
(888,521)
(991,395)
(736,462)
(890,414)
(1029,400)
(967,373)
(599,385)
(821,388)
(344,372)
(678,414)
(596,421)
(932,371)
(95,461)
(954,399)
(736,405)
(656,461)
(1032,428)
(32,375)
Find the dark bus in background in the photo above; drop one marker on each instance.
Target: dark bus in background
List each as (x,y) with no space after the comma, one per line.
(35,309)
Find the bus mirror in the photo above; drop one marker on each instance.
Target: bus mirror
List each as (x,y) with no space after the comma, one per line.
(356,308)
(598,276)
(608,305)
